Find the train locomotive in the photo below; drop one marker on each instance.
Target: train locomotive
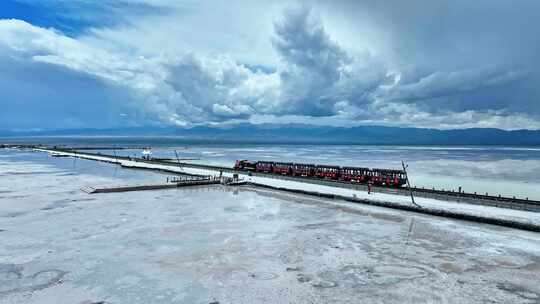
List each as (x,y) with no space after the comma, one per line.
(375,176)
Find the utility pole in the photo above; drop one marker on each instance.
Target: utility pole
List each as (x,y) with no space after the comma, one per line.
(409,184)
(178,159)
(115,162)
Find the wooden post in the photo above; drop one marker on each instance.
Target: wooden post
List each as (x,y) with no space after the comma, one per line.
(409,184)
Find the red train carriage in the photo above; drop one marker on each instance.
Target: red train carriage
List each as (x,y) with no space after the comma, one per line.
(245,165)
(398,178)
(265,166)
(329,172)
(282,168)
(305,170)
(379,177)
(355,174)
(389,178)
(376,176)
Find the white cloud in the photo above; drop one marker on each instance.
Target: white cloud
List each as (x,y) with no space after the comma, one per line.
(197,66)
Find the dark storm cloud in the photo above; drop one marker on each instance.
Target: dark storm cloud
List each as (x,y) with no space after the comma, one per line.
(459,33)
(317,74)
(302,42)
(316,77)
(461,55)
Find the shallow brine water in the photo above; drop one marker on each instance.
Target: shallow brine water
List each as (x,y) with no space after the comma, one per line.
(237,245)
(509,171)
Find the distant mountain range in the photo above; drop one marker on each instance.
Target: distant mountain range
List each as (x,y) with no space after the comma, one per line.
(268,133)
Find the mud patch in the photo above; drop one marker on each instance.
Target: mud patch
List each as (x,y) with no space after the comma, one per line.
(354,276)
(267,217)
(67,174)
(235,209)
(30,172)
(319,225)
(444,257)
(16,196)
(506,264)
(263,276)
(388,217)
(324,284)
(84,200)
(65,203)
(450,268)
(531,267)
(519,291)
(14,214)
(303,278)
(12,279)
(56,205)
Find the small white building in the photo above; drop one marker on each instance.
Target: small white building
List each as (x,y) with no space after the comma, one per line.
(147,153)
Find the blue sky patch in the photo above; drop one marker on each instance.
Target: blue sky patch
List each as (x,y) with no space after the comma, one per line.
(74,17)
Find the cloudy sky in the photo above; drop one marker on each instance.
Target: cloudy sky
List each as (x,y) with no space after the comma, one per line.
(116,63)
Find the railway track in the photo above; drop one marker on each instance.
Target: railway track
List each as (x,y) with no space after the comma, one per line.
(481,199)
(496,201)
